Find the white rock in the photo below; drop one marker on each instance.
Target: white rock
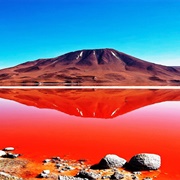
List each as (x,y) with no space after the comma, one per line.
(145,161)
(11,155)
(5,174)
(47,160)
(9,149)
(46,171)
(111,161)
(2,153)
(42,175)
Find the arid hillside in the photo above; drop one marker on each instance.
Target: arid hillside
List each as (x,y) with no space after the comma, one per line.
(91,67)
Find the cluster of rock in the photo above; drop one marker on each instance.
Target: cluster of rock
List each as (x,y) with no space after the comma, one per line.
(6,154)
(62,166)
(6,176)
(137,163)
(107,168)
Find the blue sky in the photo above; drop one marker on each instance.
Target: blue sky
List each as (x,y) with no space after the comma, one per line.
(32,29)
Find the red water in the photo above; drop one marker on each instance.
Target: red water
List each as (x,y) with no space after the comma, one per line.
(42,133)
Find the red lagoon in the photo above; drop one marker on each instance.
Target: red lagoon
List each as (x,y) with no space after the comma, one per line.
(122,122)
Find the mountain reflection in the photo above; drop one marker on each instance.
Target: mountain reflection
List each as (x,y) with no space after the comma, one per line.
(97,103)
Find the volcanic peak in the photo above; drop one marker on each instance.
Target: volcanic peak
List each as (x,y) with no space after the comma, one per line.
(94,66)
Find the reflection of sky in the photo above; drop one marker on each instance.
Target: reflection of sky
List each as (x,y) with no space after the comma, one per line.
(167,109)
(34,29)
(12,110)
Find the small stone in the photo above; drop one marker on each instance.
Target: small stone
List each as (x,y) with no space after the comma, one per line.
(70,178)
(106,177)
(64,169)
(44,173)
(47,161)
(67,168)
(58,165)
(82,160)
(147,178)
(88,175)
(10,155)
(70,168)
(134,177)
(56,158)
(9,149)
(2,153)
(117,176)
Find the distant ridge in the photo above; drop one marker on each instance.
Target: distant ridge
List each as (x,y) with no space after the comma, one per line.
(91,67)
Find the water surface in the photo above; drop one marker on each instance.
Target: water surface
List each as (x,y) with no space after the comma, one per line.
(90,123)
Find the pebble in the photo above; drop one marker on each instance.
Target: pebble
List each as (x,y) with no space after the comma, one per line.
(45,173)
(61,171)
(9,149)
(58,165)
(10,155)
(134,177)
(117,176)
(47,160)
(70,178)
(67,168)
(88,175)
(106,177)
(56,158)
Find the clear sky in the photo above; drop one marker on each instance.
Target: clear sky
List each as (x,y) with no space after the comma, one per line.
(32,29)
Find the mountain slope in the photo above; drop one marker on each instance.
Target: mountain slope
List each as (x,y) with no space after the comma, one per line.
(99,66)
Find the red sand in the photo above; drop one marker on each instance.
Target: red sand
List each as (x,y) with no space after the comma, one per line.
(42,133)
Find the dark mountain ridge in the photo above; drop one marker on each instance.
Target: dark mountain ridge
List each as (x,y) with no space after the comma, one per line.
(98,66)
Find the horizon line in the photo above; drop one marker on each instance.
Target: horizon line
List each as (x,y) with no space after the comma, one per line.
(89,87)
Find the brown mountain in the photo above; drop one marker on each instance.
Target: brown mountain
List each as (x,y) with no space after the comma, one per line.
(98,103)
(93,67)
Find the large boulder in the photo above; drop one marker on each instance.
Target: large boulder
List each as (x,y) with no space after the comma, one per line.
(111,161)
(145,161)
